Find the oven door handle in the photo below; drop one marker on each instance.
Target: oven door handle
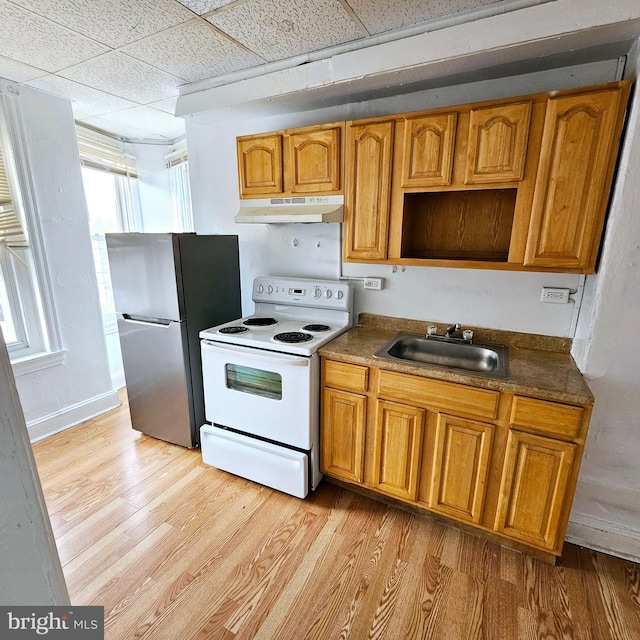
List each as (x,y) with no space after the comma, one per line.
(257,354)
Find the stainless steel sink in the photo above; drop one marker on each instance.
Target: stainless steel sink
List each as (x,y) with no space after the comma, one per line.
(489,360)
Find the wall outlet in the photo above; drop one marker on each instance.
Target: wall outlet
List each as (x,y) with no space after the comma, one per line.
(374,283)
(554,295)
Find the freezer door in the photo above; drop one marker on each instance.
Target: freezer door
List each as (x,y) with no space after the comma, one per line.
(158,381)
(145,274)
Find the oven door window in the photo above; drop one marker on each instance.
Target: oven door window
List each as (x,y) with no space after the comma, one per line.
(258,382)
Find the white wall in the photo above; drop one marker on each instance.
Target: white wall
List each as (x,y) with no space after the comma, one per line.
(606,511)
(153,184)
(31,570)
(80,387)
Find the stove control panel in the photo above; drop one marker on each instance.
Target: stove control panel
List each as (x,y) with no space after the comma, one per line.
(326,294)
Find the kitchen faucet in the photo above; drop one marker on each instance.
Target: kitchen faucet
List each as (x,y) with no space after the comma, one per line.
(451,330)
(467,334)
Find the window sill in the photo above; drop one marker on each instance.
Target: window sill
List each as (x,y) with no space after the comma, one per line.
(36,362)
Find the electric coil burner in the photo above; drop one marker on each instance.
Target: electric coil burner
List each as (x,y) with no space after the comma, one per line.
(293,337)
(262,385)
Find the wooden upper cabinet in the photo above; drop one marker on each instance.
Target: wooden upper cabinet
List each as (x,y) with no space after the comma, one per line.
(534,488)
(497,145)
(260,164)
(313,160)
(368,189)
(461,467)
(397,449)
(427,157)
(579,147)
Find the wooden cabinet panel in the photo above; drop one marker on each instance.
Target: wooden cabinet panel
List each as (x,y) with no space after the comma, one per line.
(571,192)
(461,467)
(353,377)
(427,158)
(313,161)
(397,449)
(497,143)
(441,396)
(533,489)
(550,418)
(260,164)
(368,189)
(343,430)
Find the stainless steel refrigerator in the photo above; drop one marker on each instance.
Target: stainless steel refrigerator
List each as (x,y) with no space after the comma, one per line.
(167,287)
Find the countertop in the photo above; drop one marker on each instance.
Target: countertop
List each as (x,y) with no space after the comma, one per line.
(539,366)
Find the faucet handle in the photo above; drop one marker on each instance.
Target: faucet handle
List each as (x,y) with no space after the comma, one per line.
(431,330)
(467,334)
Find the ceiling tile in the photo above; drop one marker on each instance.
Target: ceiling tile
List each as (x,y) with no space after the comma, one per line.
(126,77)
(112,22)
(149,120)
(18,71)
(379,16)
(33,40)
(193,51)
(84,99)
(168,105)
(204,6)
(126,130)
(284,28)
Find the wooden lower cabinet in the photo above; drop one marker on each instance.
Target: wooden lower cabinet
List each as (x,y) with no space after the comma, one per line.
(461,467)
(343,427)
(533,491)
(507,466)
(397,447)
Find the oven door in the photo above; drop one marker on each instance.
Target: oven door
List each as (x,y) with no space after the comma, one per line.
(262,393)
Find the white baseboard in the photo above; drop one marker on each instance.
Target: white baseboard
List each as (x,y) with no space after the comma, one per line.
(72,415)
(608,537)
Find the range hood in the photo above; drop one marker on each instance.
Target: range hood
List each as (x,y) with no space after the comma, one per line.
(297,209)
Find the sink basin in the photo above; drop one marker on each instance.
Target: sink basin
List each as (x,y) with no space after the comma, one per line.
(490,360)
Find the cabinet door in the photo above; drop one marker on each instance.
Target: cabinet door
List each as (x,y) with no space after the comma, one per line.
(461,467)
(313,163)
(427,157)
(343,425)
(260,165)
(397,449)
(368,190)
(497,143)
(580,138)
(533,488)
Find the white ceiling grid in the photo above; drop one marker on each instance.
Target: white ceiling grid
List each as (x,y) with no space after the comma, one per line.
(122,63)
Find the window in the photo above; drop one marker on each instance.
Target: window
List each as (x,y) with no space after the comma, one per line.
(178,167)
(28,323)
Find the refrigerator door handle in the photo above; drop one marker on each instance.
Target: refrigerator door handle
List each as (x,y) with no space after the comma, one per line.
(154,322)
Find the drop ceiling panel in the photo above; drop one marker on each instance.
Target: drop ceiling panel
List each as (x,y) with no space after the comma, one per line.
(18,71)
(204,6)
(36,41)
(147,119)
(89,101)
(125,77)
(168,105)
(127,131)
(112,22)
(285,28)
(193,51)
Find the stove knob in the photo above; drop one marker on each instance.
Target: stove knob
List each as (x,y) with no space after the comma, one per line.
(317,292)
(327,293)
(339,295)
(270,289)
(259,288)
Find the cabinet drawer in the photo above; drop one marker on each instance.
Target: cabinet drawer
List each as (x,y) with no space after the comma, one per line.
(443,396)
(346,376)
(547,417)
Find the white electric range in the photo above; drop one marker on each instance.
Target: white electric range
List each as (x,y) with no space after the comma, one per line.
(262,382)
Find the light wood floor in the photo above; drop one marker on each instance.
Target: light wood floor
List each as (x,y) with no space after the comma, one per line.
(175,549)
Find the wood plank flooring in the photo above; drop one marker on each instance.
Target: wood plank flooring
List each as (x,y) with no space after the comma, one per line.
(175,549)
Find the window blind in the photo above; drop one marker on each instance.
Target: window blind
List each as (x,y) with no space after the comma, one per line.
(11,231)
(106,153)
(177,154)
